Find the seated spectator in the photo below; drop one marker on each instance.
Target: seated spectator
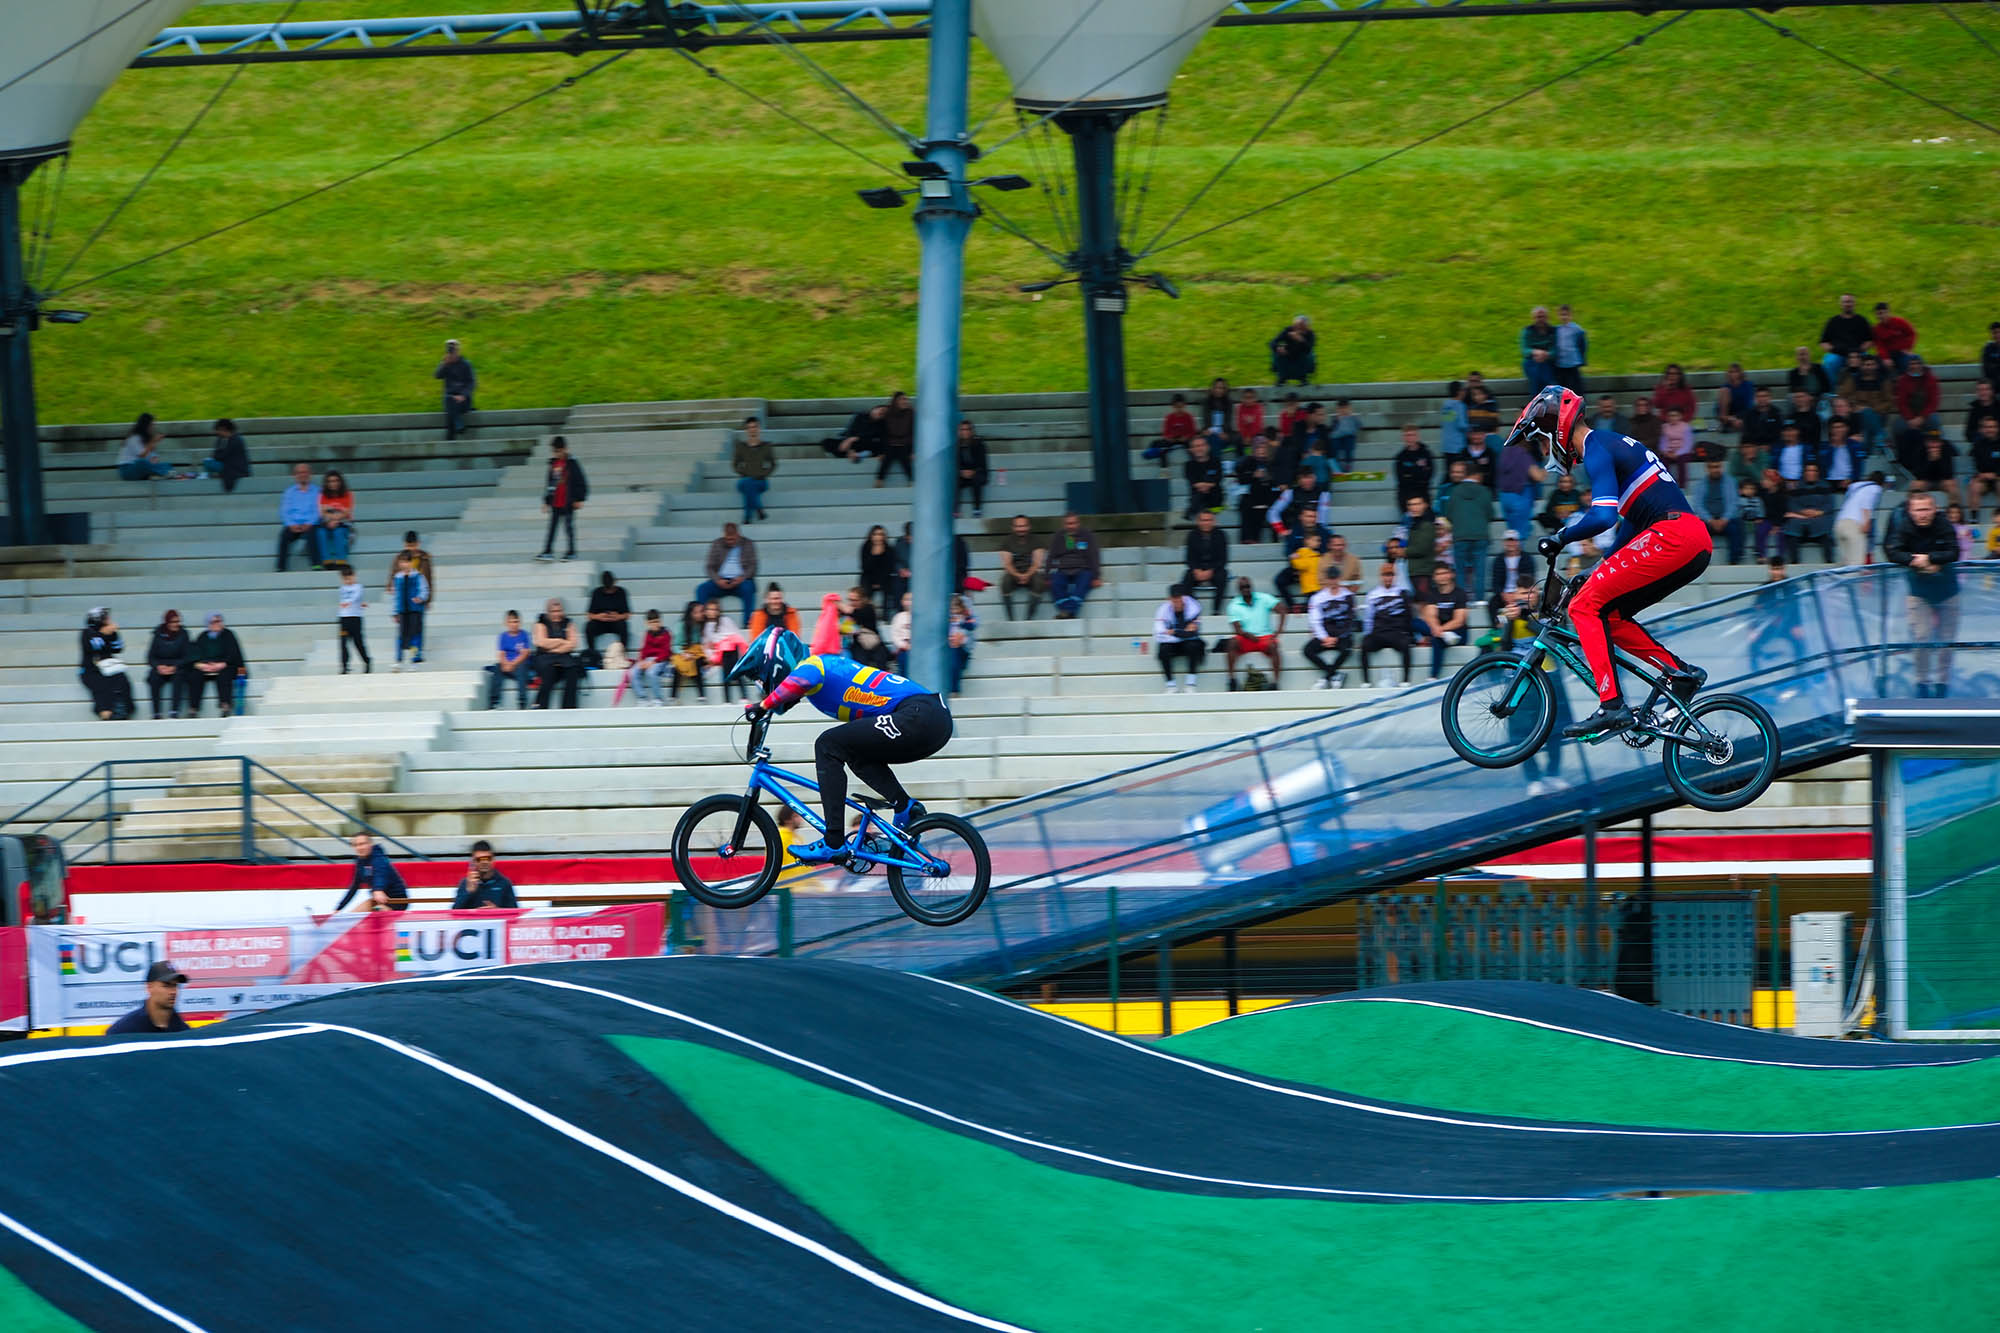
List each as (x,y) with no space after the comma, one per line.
(723,642)
(409,599)
(899,636)
(1807,376)
(1809,514)
(1207,554)
(1764,423)
(298,517)
(1254,505)
(215,659)
(1734,398)
(1218,410)
(1256,619)
(861,633)
(1507,569)
(1792,453)
(1677,445)
(1414,469)
(1917,401)
(1343,434)
(1644,425)
(512,661)
(1986,465)
(1249,417)
(973,472)
(1292,414)
(139,457)
(103,667)
(377,882)
(610,615)
(777,611)
(1982,406)
(1482,409)
(655,661)
(1074,565)
(753,460)
(1606,416)
(864,437)
(1841,455)
(1293,356)
(899,438)
(558,656)
(1304,496)
(691,659)
(1330,629)
(230,462)
(964,632)
(1713,496)
(1512,608)
(1387,622)
(1968,536)
(483,885)
(731,568)
(881,569)
(1299,580)
(166,665)
(1672,391)
(1869,386)
(1446,615)
(961,559)
(336,519)
(1177,430)
(1935,467)
(459,384)
(1773,502)
(1748,462)
(1894,336)
(1482,462)
(1806,417)
(1021,560)
(1339,565)
(1204,479)
(1177,637)
(1565,499)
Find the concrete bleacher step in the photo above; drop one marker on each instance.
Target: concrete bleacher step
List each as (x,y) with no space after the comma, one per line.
(378,733)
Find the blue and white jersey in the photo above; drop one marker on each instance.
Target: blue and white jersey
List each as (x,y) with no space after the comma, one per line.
(1628,482)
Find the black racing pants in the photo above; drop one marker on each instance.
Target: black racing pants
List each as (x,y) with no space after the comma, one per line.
(917,729)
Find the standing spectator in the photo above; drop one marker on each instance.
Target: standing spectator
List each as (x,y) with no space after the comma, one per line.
(230,462)
(1644,424)
(1218,409)
(1894,337)
(1253,507)
(1343,434)
(1572,351)
(1293,358)
(1843,335)
(1300,579)
(376,882)
(1807,376)
(610,613)
(1985,466)
(460,383)
(1870,388)
(564,490)
(1565,499)
(1482,410)
(1482,462)
(656,659)
(1414,467)
(776,611)
(1470,511)
(753,460)
(1207,560)
(1606,417)
(1330,629)
(1968,536)
(409,598)
(1386,622)
(863,438)
(1304,496)
(1734,398)
(166,665)
(158,1013)
(420,560)
(1989,355)
(216,658)
(1177,428)
(139,457)
(1713,496)
(1809,516)
(103,667)
(1021,561)
(1854,527)
(1293,415)
(1453,424)
(1204,479)
(1446,613)
(899,637)
(964,632)
(899,436)
(1177,636)
(1773,501)
(353,637)
(1922,541)
(1983,406)
(1673,391)
(298,517)
(1074,566)
(1764,423)
(1511,568)
(483,885)
(731,568)
(336,520)
(972,468)
(1515,476)
(557,656)
(513,654)
(1256,619)
(1677,445)
(1420,543)
(881,571)
(1538,350)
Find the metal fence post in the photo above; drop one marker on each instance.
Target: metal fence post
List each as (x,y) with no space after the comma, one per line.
(676,930)
(785,921)
(249,852)
(1166,984)
(1440,911)
(1776,977)
(1111,948)
(110,815)
(1591,925)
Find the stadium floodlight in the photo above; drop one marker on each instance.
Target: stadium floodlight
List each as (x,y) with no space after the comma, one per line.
(885,197)
(1051,284)
(1005,182)
(1163,284)
(925,171)
(65,316)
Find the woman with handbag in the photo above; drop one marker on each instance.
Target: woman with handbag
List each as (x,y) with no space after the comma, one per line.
(166,657)
(102,671)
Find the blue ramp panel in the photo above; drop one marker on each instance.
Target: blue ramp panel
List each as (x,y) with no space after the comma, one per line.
(1371,795)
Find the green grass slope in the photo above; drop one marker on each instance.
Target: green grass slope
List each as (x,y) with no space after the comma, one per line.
(1054,1250)
(1457,1061)
(650,232)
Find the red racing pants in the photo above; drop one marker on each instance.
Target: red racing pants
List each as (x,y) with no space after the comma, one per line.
(1656,563)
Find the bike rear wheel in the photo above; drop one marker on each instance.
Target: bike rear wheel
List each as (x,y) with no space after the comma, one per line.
(1497,710)
(947,899)
(718,866)
(1733,769)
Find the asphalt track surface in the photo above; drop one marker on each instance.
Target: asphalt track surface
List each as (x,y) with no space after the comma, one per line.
(470,1151)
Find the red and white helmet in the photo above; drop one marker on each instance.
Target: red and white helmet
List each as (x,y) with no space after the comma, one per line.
(1550,416)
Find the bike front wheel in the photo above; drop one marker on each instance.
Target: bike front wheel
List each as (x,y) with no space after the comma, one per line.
(1729,760)
(1498,710)
(948,898)
(725,853)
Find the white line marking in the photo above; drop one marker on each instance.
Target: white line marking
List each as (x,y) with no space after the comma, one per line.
(83,1265)
(564,1127)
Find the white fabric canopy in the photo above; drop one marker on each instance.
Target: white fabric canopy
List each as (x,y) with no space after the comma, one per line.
(98,39)
(1101,52)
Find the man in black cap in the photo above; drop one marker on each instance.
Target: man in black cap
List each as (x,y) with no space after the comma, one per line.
(157,1014)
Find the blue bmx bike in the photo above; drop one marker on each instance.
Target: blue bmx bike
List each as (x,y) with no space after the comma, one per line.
(727,850)
(1721,751)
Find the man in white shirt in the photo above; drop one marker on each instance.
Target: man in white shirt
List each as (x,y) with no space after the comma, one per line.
(1856,522)
(1386,622)
(1330,629)
(1257,621)
(1177,637)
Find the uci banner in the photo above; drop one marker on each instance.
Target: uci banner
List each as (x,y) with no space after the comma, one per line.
(87,975)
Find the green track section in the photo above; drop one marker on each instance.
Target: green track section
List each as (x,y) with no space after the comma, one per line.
(1457,1061)
(23,1310)
(1054,1250)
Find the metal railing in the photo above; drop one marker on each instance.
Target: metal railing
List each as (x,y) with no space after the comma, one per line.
(99,810)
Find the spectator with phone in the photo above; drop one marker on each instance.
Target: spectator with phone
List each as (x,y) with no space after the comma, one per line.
(483,885)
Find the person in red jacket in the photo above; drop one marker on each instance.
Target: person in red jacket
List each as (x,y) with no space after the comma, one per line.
(1916,392)
(1176,430)
(1249,416)
(1673,391)
(1894,335)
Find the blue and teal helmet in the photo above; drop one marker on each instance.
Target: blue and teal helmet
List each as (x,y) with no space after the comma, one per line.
(770,658)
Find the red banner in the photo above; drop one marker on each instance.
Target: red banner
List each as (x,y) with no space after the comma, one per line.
(13,979)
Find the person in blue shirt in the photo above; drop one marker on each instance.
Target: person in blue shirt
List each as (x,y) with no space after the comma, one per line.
(510,662)
(377,881)
(884,719)
(411,593)
(1662,547)
(298,517)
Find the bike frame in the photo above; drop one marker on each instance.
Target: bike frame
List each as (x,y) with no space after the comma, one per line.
(766,776)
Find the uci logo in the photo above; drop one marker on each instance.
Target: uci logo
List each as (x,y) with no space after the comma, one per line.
(450,946)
